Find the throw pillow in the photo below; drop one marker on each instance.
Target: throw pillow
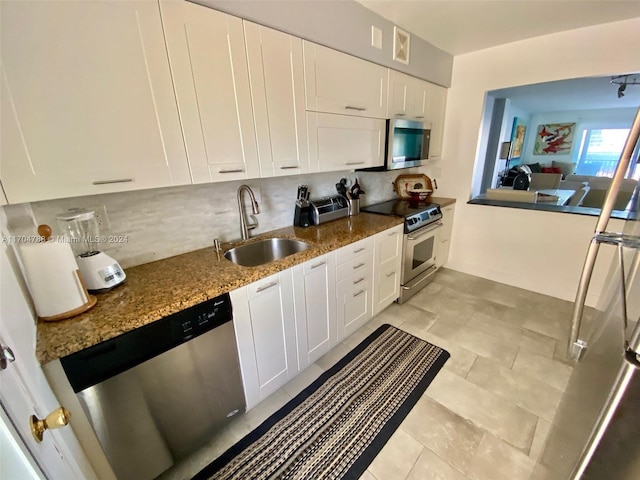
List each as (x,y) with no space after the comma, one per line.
(535,167)
(551,170)
(565,167)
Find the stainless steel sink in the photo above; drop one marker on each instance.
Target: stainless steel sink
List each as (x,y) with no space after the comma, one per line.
(265,251)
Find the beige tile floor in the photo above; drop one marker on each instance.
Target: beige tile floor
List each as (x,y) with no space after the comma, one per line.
(486,414)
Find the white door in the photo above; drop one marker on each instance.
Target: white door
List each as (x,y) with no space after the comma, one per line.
(387,265)
(25,390)
(277,91)
(15,459)
(87,100)
(354,303)
(434,116)
(209,67)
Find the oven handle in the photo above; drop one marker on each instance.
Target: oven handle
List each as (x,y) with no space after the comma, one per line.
(419,233)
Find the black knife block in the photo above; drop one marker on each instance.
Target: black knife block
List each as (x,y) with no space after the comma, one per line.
(302,216)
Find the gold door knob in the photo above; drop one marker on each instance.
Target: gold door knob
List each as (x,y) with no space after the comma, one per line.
(56,419)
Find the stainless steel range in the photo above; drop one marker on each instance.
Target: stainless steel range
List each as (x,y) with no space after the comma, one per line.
(421,227)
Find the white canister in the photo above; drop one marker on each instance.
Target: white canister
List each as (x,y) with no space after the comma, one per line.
(54,280)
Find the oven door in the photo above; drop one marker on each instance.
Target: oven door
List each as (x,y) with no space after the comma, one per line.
(419,251)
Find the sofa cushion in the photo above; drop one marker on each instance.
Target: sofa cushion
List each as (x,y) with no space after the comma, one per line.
(566,168)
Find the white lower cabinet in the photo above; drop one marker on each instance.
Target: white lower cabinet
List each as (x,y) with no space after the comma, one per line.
(354,288)
(387,267)
(314,288)
(287,321)
(264,321)
(444,237)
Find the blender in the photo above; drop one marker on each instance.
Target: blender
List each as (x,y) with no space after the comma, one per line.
(99,271)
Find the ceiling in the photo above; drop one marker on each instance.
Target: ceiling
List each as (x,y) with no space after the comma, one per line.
(576,94)
(463,26)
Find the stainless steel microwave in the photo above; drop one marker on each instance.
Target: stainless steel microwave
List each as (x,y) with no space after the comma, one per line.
(407,144)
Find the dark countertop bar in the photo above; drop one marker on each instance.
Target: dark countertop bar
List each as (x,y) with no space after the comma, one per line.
(618,214)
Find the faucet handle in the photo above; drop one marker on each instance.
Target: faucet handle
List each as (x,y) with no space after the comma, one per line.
(254,224)
(216,244)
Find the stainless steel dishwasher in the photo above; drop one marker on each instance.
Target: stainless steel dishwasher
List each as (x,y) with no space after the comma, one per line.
(156,394)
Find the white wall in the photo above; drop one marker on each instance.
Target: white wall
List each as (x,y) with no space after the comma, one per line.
(540,251)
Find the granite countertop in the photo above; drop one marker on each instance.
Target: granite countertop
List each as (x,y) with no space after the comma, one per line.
(442,201)
(155,290)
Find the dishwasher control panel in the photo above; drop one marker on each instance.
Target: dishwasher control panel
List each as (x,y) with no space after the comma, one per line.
(202,318)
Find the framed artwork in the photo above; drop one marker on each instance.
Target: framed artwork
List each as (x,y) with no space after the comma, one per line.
(554,139)
(517,138)
(401,44)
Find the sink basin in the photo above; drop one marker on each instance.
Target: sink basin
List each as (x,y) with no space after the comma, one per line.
(265,251)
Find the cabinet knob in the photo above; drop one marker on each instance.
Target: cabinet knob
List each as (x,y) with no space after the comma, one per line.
(56,419)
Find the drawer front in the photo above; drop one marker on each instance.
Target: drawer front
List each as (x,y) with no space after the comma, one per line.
(355,266)
(349,252)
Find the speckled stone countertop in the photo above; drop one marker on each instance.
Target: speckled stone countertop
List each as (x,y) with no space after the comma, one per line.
(155,290)
(442,201)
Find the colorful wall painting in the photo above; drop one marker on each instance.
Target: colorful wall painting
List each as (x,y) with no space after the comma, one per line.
(517,138)
(554,139)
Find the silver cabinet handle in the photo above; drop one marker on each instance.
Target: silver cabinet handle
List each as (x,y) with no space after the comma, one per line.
(357,109)
(399,114)
(420,116)
(354,163)
(231,171)
(291,167)
(359,250)
(390,274)
(358,266)
(6,357)
(358,281)
(118,180)
(318,265)
(261,289)
(358,293)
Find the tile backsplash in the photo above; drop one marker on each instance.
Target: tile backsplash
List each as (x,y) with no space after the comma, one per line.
(164,222)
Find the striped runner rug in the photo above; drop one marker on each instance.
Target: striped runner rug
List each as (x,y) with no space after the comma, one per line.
(336,426)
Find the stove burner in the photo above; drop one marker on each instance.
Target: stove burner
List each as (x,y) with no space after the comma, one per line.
(416,214)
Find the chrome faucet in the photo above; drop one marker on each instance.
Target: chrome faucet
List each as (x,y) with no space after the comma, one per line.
(244,226)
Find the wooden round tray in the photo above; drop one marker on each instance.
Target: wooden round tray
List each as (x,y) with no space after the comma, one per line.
(404,183)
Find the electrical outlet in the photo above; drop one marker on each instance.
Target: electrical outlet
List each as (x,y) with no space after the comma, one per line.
(101,217)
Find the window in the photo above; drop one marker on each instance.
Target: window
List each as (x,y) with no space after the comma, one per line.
(600,151)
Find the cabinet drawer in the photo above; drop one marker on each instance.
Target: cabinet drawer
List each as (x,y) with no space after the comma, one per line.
(351,251)
(355,266)
(312,265)
(262,287)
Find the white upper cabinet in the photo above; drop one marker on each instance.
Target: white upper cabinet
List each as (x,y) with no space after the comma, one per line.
(343,84)
(87,100)
(209,67)
(408,96)
(434,115)
(341,142)
(276,73)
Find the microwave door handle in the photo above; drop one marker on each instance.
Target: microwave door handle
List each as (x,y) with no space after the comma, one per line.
(420,233)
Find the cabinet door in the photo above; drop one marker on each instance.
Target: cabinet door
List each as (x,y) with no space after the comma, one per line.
(444,238)
(343,84)
(436,108)
(87,100)
(354,303)
(341,142)
(315,294)
(265,330)
(209,67)
(387,265)
(277,90)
